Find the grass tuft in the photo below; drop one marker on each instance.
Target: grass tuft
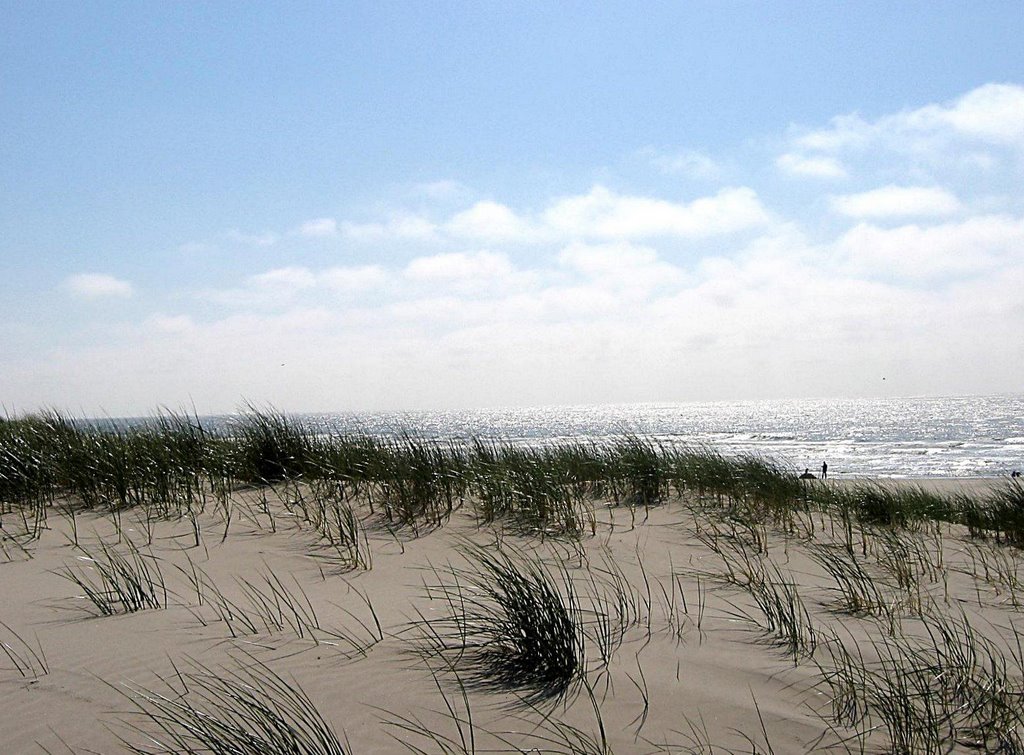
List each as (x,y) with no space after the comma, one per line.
(249,709)
(511,626)
(115,582)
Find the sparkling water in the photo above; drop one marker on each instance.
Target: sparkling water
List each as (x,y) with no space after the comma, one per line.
(962,436)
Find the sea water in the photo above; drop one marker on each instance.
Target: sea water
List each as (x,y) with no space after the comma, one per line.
(961,436)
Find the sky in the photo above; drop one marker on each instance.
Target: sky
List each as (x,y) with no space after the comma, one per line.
(366,206)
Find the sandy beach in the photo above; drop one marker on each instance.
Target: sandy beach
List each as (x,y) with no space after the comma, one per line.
(685,646)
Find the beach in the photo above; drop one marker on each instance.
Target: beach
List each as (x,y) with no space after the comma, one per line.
(701,625)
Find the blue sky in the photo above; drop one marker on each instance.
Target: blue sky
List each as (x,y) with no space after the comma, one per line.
(390,205)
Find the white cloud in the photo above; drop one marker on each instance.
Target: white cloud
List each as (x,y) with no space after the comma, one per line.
(845,131)
(630,270)
(97,286)
(354,279)
(993,114)
(284,280)
(280,286)
(400,225)
(489,221)
(604,214)
(598,214)
(815,166)
(319,228)
(896,201)
(459,267)
(976,247)
(440,190)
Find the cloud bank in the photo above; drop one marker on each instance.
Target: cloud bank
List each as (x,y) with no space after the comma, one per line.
(896,270)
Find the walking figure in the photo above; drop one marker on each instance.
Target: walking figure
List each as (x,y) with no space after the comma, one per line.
(824,470)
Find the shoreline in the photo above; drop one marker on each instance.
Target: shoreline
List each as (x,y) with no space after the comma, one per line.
(940,485)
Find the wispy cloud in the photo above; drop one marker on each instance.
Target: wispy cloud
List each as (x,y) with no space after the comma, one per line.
(818,166)
(993,114)
(459,266)
(490,221)
(97,286)
(690,163)
(319,228)
(284,280)
(400,225)
(604,214)
(281,287)
(896,201)
(251,239)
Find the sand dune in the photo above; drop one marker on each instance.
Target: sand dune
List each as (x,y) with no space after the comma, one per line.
(684,636)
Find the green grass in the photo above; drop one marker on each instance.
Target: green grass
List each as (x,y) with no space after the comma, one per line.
(887,505)
(171,467)
(999,515)
(116,582)
(245,709)
(27,660)
(511,625)
(929,693)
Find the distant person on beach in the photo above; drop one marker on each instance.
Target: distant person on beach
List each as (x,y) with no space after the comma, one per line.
(1015,473)
(824,470)
(807,475)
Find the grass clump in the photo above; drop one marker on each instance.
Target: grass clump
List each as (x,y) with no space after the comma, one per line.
(1001,514)
(949,687)
(115,582)
(534,490)
(270,447)
(639,472)
(885,505)
(787,621)
(511,626)
(859,591)
(249,710)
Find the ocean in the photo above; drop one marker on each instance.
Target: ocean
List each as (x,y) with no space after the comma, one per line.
(960,436)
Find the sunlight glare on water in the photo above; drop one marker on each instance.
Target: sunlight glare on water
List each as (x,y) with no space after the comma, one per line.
(959,436)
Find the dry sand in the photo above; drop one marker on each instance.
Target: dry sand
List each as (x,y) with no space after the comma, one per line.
(697,664)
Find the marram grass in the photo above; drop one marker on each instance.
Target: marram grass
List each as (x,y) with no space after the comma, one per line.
(172,466)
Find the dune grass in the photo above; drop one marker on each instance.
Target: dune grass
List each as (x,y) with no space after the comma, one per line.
(171,466)
(1000,515)
(525,628)
(785,618)
(116,582)
(929,693)
(511,625)
(243,709)
(870,503)
(27,660)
